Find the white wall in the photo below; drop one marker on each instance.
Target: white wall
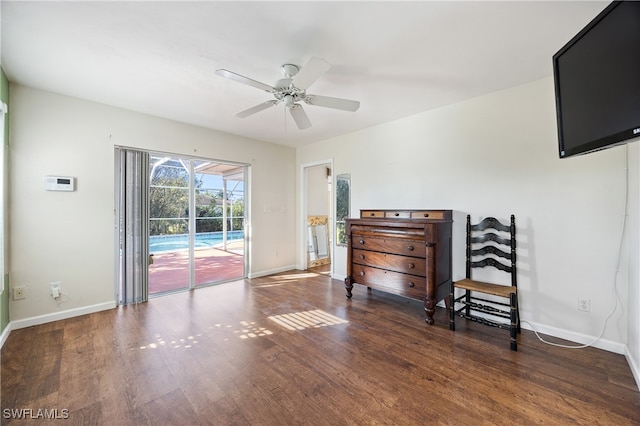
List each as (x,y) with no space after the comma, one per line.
(69,237)
(317,191)
(497,155)
(633,242)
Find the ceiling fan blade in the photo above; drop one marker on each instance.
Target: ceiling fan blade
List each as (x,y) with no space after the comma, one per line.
(329,102)
(244,80)
(310,72)
(257,108)
(299,116)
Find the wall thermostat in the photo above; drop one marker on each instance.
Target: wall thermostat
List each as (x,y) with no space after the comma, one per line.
(59,183)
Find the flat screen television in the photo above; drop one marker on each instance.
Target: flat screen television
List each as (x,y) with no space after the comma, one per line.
(597,82)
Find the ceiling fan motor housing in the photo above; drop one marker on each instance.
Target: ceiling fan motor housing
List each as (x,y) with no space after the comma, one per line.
(285,89)
(283,83)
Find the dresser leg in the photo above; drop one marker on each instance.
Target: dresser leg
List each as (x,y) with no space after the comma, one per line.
(429,309)
(348,284)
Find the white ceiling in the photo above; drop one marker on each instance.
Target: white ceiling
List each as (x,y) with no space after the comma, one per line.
(396,58)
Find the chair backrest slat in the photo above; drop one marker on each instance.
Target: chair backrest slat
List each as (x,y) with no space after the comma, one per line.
(489,261)
(490,236)
(490,223)
(491,250)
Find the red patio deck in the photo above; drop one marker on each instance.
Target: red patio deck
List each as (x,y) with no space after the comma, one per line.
(169,270)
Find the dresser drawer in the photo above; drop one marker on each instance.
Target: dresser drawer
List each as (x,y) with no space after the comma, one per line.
(394,262)
(427,214)
(389,245)
(397,214)
(371,213)
(393,282)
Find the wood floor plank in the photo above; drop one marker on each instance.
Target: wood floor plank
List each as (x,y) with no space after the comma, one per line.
(171,409)
(224,355)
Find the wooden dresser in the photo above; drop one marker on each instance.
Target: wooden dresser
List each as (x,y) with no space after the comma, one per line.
(404,252)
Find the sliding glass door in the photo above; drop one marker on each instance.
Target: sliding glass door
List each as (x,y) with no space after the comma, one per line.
(196,223)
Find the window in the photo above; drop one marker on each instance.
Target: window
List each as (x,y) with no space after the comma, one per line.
(343,205)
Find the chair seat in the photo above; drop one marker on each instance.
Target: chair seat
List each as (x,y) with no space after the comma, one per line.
(495,289)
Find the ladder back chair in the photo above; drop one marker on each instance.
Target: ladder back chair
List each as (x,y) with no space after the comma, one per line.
(487,248)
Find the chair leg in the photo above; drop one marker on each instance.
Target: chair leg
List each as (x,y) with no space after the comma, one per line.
(452,308)
(467,302)
(513,328)
(518,313)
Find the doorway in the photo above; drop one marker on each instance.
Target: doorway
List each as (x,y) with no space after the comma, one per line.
(317,216)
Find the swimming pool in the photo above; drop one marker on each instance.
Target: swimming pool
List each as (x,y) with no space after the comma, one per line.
(160,243)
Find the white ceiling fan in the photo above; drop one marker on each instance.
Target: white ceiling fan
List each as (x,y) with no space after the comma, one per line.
(292,89)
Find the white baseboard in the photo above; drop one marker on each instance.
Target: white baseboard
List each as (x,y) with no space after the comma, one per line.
(5,334)
(56,316)
(635,368)
(270,272)
(340,277)
(578,338)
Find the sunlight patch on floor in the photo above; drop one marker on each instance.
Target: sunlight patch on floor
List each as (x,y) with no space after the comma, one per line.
(247,330)
(274,284)
(185,343)
(308,319)
(296,276)
(250,330)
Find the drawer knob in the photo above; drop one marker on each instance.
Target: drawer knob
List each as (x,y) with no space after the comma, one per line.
(361,241)
(411,284)
(410,248)
(411,265)
(362,273)
(372,214)
(362,256)
(397,214)
(426,215)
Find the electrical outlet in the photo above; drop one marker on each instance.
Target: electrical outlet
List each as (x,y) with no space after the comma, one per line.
(584,305)
(18,293)
(55,289)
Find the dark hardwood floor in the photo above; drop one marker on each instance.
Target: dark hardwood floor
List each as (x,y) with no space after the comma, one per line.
(291,349)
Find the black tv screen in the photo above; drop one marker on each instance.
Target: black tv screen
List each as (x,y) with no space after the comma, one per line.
(597,82)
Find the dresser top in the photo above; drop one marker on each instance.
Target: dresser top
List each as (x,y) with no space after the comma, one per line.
(431,214)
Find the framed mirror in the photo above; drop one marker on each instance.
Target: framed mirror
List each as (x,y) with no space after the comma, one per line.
(343,206)
(318,241)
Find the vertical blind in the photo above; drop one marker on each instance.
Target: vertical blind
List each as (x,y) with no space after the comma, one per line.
(133,226)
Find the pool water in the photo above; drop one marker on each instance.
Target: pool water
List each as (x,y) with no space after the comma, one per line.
(162,243)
